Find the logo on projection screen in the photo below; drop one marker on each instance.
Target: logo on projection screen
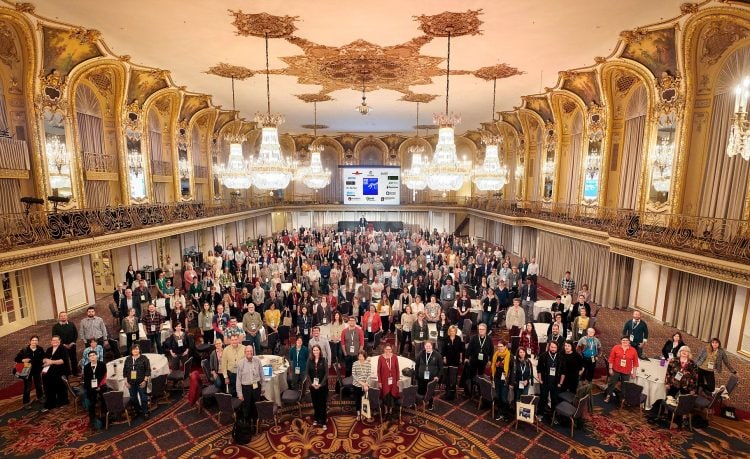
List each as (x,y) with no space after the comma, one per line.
(370,186)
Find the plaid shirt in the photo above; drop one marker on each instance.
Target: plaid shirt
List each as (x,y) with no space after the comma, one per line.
(149,321)
(570,284)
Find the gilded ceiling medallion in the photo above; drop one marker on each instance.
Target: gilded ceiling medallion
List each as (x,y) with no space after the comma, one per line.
(455,24)
(496,72)
(315,126)
(310,98)
(421,98)
(225,70)
(395,67)
(262,24)
(85,35)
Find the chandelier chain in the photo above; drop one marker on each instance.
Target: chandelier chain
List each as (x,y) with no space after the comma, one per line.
(268,78)
(494,93)
(448,74)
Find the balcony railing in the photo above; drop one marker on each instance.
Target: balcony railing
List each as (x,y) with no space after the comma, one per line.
(98,162)
(200,172)
(161,167)
(39,228)
(711,237)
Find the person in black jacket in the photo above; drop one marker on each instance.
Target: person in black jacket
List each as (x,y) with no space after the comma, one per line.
(178,347)
(573,364)
(672,347)
(32,355)
(317,373)
(68,334)
(429,367)
(478,355)
(521,373)
(56,366)
(550,372)
(453,354)
(94,377)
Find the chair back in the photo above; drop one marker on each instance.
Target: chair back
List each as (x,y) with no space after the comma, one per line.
(206,365)
(373,395)
(592,322)
(114,311)
(188,368)
(70,388)
(544,316)
(224,401)
(158,386)
(466,329)
(376,339)
(430,393)
(145,345)
(581,407)
(113,400)
(685,404)
(409,397)
(485,389)
(266,409)
(731,383)
(631,393)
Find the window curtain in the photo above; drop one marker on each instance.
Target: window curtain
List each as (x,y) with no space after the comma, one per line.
(160,192)
(199,156)
(632,149)
(725,179)
(570,196)
(616,291)
(10,195)
(528,242)
(700,306)
(155,142)
(97,194)
(200,195)
(587,262)
(3,110)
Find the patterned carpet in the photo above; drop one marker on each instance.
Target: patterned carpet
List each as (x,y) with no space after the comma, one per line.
(458,429)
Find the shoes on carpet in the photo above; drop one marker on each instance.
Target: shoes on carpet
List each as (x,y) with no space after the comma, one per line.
(44,410)
(430,406)
(324,428)
(315,423)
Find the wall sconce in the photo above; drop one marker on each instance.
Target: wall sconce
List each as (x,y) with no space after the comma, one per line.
(548,170)
(135,162)
(662,162)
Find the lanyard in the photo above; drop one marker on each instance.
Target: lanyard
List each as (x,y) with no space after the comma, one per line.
(552,358)
(523,369)
(388,362)
(481,343)
(297,360)
(351,338)
(590,343)
(427,359)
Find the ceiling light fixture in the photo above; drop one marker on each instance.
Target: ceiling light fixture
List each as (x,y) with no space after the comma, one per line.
(739,134)
(446,172)
(492,175)
(235,173)
(271,170)
(314,176)
(363,108)
(661,178)
(414,177)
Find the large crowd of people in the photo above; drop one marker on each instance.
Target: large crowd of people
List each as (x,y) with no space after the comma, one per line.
(457,309)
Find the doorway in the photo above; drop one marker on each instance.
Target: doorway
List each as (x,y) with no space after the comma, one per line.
(101,268)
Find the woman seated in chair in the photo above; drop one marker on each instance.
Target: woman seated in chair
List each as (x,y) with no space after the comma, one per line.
(178,347)
(682,375)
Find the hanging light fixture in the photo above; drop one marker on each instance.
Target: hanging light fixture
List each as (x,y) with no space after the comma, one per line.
(739,134)
(271,170)
(414,178)
(446,172)
(135,162)
(492,175)
(314,176)
(57,154)
(661,178)
(235,173)
(363,108)
(593,163)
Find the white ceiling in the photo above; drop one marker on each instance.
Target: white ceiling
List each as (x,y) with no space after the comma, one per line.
(539,37)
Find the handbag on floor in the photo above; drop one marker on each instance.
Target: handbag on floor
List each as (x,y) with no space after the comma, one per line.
(242,430)
(366,413)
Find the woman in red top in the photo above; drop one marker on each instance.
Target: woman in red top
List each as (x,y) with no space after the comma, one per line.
(371,322)
(529,341)
(388,376)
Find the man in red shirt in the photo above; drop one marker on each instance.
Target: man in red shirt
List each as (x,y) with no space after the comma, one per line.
(623,362)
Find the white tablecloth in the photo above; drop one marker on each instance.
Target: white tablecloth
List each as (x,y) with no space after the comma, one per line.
(432,331)
(166,332)
(261,332)
(116,380)
(278,383)
(542,306)
(403,362)
(286,287)
(541,331)
(651,375)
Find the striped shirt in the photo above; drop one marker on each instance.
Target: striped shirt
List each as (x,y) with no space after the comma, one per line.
(361,373)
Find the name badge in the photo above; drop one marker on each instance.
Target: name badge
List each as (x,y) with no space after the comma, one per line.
(678,376)
(502,377)
(369,329)
(593,359)
(351,349)
(528,298)
(521,384)
(552,371)
(427,374)
(390,380)
(631,338)
(252,327)
(255,385)
(670,356)
(528,351)
(153,328)
(143,297)
(480,356)
(305,331)
(710,365)
(623,363)
(488,308)
(316,381)
(296,370)
(179,343)
(463,308)
(441,333)
(580,331)
(133,374)
(94,383)
(132,336)
(325,321)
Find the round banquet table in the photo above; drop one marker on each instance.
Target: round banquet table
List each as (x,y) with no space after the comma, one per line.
(277,383)
(403,362)
(116,379)
(542,306)
(541,332)
(651,375)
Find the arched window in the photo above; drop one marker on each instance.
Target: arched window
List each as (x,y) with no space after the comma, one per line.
(574,173)
(632,149)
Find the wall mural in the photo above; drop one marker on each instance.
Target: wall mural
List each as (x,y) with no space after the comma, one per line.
(224,117)
(654,49)
(143,83)
(512,119)
(192,104)
(64,49)
(540,105)
(583,84)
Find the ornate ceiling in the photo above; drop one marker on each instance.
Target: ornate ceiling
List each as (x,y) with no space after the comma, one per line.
(323,51)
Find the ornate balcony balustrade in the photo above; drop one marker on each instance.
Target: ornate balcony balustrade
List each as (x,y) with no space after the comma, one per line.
(99,162)
(161,167)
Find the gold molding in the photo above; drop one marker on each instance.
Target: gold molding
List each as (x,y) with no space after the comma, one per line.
(95,175)
(23,174)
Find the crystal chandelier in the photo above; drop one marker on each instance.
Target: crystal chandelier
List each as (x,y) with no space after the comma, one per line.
(183,166)
(661,177)
(235,173)
(414,177)
(593,163)
(739,134)
(548,170)
(135,162)
(314,176)
(57,154)
(519,171)
(271,169)
(363,108)
(492,175)
(446,172)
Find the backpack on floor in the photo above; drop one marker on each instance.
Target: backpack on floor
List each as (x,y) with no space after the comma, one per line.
(242,430)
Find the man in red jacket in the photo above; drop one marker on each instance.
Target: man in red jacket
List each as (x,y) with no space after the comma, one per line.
(623,363)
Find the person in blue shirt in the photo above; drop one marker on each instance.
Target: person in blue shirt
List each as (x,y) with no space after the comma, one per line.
(298,356)
(93,346)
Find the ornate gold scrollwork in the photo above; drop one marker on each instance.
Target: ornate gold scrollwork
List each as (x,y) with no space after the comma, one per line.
(455,24)
(51,98)
(132,120)
(633,36)
(262,24)
(671,99)
(597,120)
(85,35)
(225,70)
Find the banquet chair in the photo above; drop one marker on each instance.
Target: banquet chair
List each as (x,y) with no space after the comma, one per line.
(684,407)
(294,397)
(115,316)
(466,330)
(115,404)
(486,394)
(428,395)
(209,391)
(545,317)
(408,399)
(372,348)
(181,376)
(708,404)
(344,382)
(158,391)
(266,413)
(633,395)
(572,412)
(227,405)
(72,394)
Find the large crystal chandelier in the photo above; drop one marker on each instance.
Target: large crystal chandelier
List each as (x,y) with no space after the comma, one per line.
(135,162)
(492,175)
(235,173)
(739,134)
(314,176)
(57,154)
(271,170)
(661,178)
(446,172)
(415,177)
(593,163)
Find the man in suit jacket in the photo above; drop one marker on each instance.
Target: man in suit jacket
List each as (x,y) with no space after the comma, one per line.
(528,298)
(126,302)
(56,366)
